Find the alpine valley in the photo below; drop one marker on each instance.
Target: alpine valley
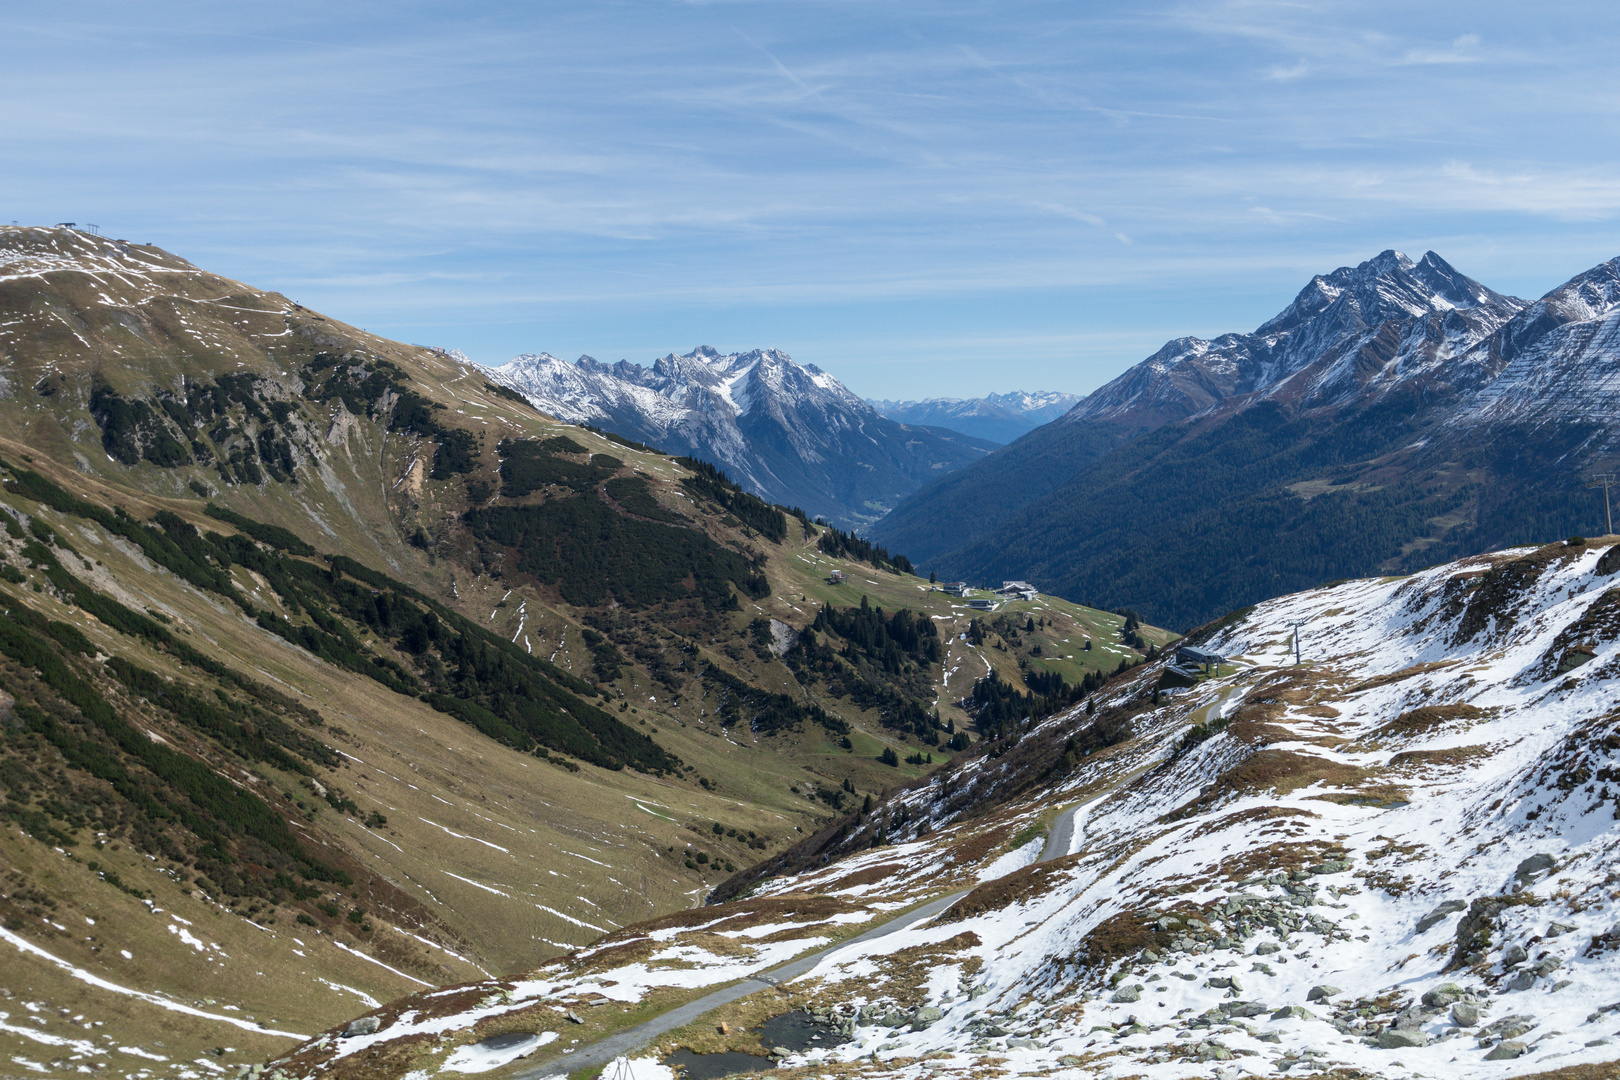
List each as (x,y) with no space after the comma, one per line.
(331,669)
(364,720)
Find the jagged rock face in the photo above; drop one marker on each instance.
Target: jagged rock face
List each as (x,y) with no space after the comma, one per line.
(788,432)
(1369,327)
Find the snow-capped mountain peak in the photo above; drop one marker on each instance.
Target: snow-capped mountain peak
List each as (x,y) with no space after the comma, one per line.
(789,432)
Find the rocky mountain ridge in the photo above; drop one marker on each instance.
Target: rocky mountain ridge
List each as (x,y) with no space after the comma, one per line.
(787,432)
(1437,416)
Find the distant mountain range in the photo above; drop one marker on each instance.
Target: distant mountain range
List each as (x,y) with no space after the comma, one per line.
(787,432)
(1001,418)
(1396,413)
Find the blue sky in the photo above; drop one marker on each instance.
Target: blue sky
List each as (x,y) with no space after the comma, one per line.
(924,199)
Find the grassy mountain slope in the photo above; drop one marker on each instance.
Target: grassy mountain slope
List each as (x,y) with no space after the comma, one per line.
(331,670)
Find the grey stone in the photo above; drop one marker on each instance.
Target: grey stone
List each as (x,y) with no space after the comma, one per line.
(1069,1061)
(1558,929)
(1323,992)
(366,1025)
(1535,864)
(1297,1011)
(1598,1042)
(1561,983)
(995,1031)
(1513,954)
(1547,964)
(1022,1043)
(1398,1038)
(1465,1014)
(1150,956)
(926,1017)
(1241,1009)
(1126,994)
(1220,982)
(1266,948)
(1507,1050)
(1524,980)
(1443,995)
(1450,907)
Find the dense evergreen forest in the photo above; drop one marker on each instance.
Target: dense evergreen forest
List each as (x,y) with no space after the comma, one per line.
(877,661)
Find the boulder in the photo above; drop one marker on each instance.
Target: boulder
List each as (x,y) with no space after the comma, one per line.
(1513,954)
(1558,929)
(1465,1014)
(1400,1038)
(1242,1009)
(926,1017)
(1323,992)
(1450,907)
(1126,994)
(366,1025)
(1266,948)
(1547,965)
(1524,980)
(1296,1011)
(1527,870)
(1507,1050)
(573,1017)
(1021,1043)
(1443,995)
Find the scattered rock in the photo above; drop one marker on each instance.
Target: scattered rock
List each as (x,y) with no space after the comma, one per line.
(1398,1038)
(1331,866)
(1070,1061)
(1022,1043)
(1513,954)
(1558,929)
(1524,980)
(1547,964)
(1561,983)
(1240,1009)
(573,1018)
(1323,992)
(1266,948)
(1126,994)
(1507,1050)
(926,1018)
(1465,1014)
(1450,907)
(366,1025)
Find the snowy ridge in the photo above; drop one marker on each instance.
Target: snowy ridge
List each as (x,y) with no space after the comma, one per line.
(1001,417)
(1397,857)
(1357,332)
(788,432)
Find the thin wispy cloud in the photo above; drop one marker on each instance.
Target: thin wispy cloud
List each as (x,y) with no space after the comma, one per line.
(832,178)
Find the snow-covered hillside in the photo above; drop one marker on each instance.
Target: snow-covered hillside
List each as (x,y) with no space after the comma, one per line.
(790,433)
(1398,857)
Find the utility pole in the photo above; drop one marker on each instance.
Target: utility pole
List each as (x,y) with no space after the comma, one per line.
(1296,627)
(1604,480)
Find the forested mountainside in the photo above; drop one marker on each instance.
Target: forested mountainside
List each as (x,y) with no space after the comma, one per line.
(1001,418)
(330,669)
(788,433)
(1395,858)
(1396,414)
